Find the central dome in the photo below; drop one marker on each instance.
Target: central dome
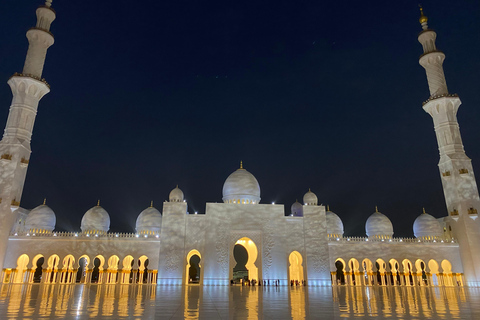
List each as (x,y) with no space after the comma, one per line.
(241,187)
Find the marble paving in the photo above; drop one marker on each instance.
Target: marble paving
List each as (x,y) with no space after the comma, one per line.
(43,301)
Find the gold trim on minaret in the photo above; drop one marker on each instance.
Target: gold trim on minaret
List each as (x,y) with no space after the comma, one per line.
(423,18)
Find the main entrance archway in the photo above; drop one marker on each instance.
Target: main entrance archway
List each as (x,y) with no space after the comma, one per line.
(252,252)
(296,268)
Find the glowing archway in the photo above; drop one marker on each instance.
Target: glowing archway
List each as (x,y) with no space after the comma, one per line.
(191,254)
(22,263)
(296,268)
(252,251)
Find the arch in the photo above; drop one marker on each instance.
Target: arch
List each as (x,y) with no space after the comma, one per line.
(252,251)
(97,272)
(381,267)
(22,263)
(127,264)
(447,273)
(190,255)
(296,267)
(141,269)
(421,268)
(433,267)
(37,267)
(394,272)
(67,270)
(353,267)
(340,271)
(112,269)
(367,266)
(52,267)
(83,263)
(408,272)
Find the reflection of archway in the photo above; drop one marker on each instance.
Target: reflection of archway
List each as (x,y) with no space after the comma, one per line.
(192,274)
(22,263)
(83,263)
(296,268)
(252,252)
(37,264)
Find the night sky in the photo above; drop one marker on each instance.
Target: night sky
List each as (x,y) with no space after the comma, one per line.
(147,94)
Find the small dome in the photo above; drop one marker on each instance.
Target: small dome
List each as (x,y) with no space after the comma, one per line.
(149,221)
(310,198)
(297,209)
(176,195)
(426,226)
(95,220)
(241,187)
(334,224)
(42,219)
(379,226)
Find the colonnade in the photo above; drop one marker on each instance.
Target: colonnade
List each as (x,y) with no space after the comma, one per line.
(391,274)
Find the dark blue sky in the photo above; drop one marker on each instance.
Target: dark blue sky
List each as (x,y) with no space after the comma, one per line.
(309,94)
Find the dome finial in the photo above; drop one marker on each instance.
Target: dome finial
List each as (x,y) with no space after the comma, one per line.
(424,210)
(423,19)
(328,207)
(376,209)
(98,203)
(44,201)
(151,204)
(241,164)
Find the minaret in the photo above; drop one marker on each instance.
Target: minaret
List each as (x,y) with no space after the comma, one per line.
(456,171)
(27,89)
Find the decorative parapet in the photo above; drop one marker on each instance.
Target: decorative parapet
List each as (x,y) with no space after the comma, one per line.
(16,74)
(65,234)
(453,95)
(392,240)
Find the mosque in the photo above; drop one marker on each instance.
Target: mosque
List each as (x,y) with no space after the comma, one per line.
(172,247)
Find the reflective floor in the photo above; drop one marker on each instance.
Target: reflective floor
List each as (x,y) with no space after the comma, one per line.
(40,301)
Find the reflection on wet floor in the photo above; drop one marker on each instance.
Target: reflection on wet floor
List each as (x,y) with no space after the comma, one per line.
(43,301)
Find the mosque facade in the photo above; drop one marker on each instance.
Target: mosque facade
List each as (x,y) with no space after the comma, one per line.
(308,247)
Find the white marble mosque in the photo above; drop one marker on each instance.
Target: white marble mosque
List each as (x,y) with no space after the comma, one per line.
(308,246)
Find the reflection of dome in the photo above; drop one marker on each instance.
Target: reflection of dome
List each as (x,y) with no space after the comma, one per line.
(95,220)
(41,219)
(334,225)
(379,226)
(310,198)
(149,221)
(426,226)
(241,187)
(297,209)
(176,195)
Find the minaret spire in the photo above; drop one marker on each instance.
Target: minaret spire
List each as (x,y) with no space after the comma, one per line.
(456,171)
(27,89)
